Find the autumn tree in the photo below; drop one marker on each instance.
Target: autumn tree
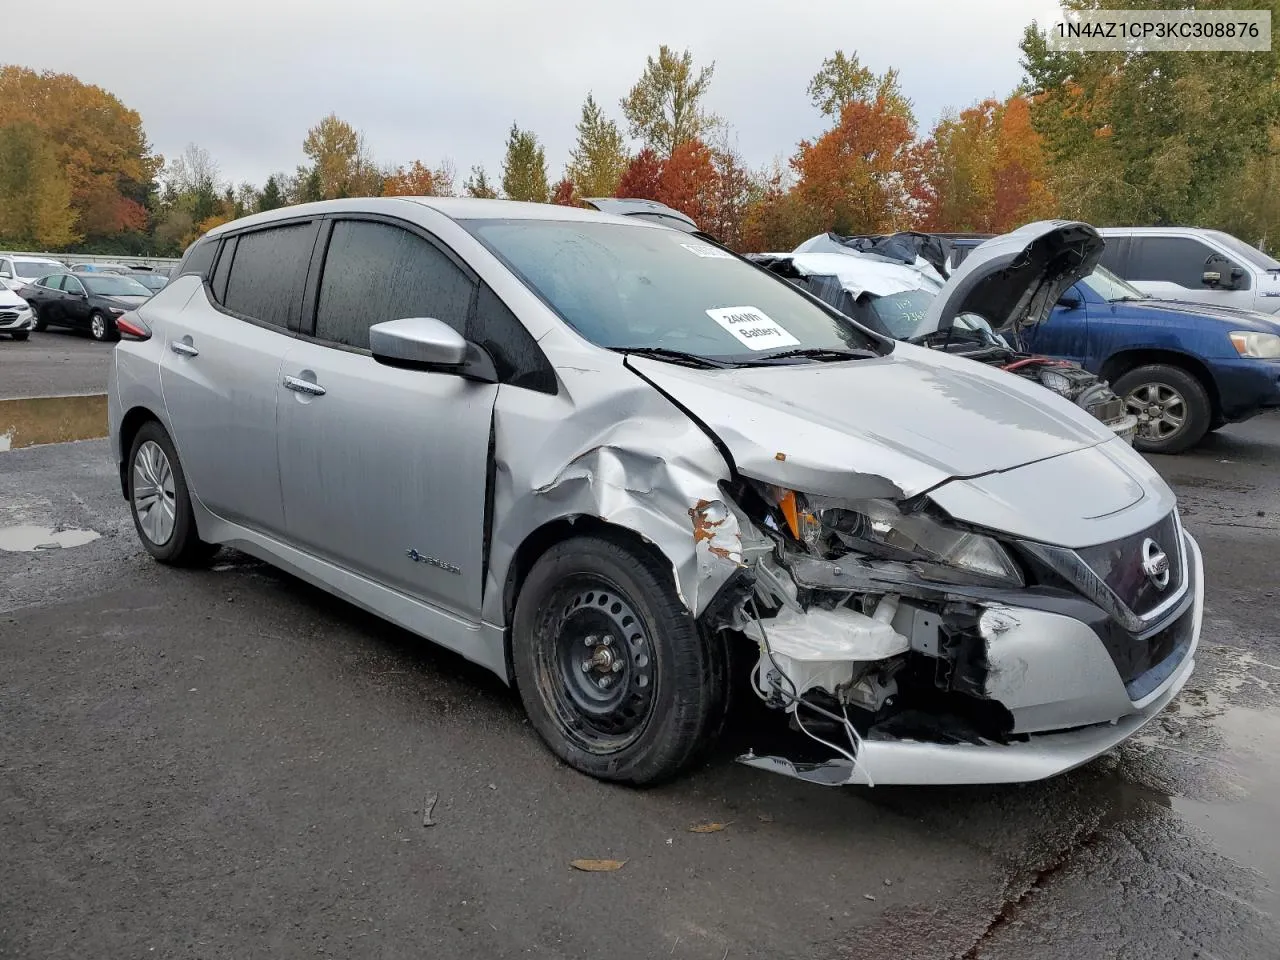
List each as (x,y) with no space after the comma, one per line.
(664,108)
(642,178)
(689,182)
(854,178)
(524,169)
(843,79)
(478,185)
(599,156)
(418,180)
(564,193)
(735,190)
(341,159)
(35,197)
(99,144)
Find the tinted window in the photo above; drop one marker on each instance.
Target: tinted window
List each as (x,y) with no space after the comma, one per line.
(222,270)
(268,273)
(72,285)
(1251,254)
(1170,259)
(635,287)
(375,272)
(516,355)
(199,258)
(1114,254)
(114,285)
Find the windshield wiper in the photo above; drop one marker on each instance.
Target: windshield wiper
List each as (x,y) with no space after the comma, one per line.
(819,354)
(675,356)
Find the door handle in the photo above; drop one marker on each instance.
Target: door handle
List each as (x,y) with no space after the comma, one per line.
(186,349)
(304,386)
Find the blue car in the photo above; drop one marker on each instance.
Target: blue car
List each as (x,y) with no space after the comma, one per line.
(1183,368)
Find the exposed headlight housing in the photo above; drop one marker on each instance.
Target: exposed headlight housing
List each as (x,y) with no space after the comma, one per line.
(1249,343)
(878,530)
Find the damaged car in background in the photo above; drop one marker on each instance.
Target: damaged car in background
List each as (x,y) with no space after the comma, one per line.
(604,458)
(904,285)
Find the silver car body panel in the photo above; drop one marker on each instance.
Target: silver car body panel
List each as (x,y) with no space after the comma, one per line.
(423,518)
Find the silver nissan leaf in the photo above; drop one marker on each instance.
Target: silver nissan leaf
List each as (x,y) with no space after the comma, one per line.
(607,459)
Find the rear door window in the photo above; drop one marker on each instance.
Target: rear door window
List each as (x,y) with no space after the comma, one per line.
(1115,255)
(199,258)
(377,271)
(268,273)
(1179,260)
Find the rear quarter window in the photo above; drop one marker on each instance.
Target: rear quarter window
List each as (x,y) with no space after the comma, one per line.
(198,259)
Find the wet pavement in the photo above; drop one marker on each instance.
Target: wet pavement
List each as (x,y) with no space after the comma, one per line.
(228,763)
(53,363)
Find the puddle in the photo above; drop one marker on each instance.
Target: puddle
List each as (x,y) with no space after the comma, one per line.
(1243,827)
(29,422)
(26,538)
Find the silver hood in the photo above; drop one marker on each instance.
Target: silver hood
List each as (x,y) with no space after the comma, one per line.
(1014,280)
(892,426)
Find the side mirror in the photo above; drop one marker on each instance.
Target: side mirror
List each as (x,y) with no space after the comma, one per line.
(424,343)
(1069,300)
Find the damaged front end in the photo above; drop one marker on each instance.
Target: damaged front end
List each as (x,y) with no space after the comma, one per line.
(908,648)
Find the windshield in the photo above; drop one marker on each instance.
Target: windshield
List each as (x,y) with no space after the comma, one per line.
(1239,247)
(1110,287)
(113,285)
(899,314)
(29,269)
(151,281)
(637,287)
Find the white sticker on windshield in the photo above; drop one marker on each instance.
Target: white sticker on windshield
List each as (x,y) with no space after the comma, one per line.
(707,251)
(752,328)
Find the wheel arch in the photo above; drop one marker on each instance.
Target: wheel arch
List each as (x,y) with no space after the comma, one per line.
(1120,363)
(130,424)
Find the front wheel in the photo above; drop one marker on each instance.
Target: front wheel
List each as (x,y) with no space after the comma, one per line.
(613,671)
(39,324)
(160,501)
(1172,406)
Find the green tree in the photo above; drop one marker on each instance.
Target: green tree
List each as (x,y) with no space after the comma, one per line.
(35,197)
(842,79)
(272,195)
(598,158)
(524,169)
(478,185)
(664,108)
(339,154)
(1154,137)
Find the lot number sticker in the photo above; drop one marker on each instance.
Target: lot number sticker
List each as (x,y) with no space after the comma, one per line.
(750,326)
(706,251)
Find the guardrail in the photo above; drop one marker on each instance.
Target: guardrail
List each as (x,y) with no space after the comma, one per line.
(73,258)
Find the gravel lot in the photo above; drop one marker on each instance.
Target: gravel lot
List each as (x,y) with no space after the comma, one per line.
(229,763)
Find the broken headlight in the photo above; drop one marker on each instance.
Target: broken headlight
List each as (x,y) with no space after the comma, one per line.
(878,530)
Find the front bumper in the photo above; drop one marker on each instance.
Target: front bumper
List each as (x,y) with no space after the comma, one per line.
(12,321)
(1246,385)
(1068,699)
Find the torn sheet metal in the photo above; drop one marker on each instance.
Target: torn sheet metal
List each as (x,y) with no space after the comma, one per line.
(609,446)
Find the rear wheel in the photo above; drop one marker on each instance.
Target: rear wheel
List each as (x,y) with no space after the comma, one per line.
(101,327)
(160,501)
(613,671)
(1172,406)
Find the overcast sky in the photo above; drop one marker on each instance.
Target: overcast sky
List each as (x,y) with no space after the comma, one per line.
(425,79)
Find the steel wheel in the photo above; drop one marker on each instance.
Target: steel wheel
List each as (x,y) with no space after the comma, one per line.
(599,669)
(1161,410)
(98,326)
(154,493)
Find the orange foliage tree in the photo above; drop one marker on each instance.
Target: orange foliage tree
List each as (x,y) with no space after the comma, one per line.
(564,193)
(643,176)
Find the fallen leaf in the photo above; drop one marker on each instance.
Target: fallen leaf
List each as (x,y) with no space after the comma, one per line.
(708,827)
(765,818)
(597,866)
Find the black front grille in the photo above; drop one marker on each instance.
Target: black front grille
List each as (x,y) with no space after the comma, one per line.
(1145,664)
(7,315)
(1120,565)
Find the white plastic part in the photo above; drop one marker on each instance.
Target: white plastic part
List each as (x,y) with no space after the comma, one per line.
(887,608)
(825,648)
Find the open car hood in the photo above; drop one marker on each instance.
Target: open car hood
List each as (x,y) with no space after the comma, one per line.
(1014,280)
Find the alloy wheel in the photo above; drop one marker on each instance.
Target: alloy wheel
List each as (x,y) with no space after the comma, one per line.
(153,493)
(98,326)
(1160,409)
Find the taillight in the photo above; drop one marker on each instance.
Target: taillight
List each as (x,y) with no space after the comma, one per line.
(131,327)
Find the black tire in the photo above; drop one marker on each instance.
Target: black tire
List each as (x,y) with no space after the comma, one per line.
(666,701)
(183,547)
(40,324)
(101,327)
(1156,393)
(20,335)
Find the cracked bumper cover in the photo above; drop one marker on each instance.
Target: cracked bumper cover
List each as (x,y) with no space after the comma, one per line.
(1075,696)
